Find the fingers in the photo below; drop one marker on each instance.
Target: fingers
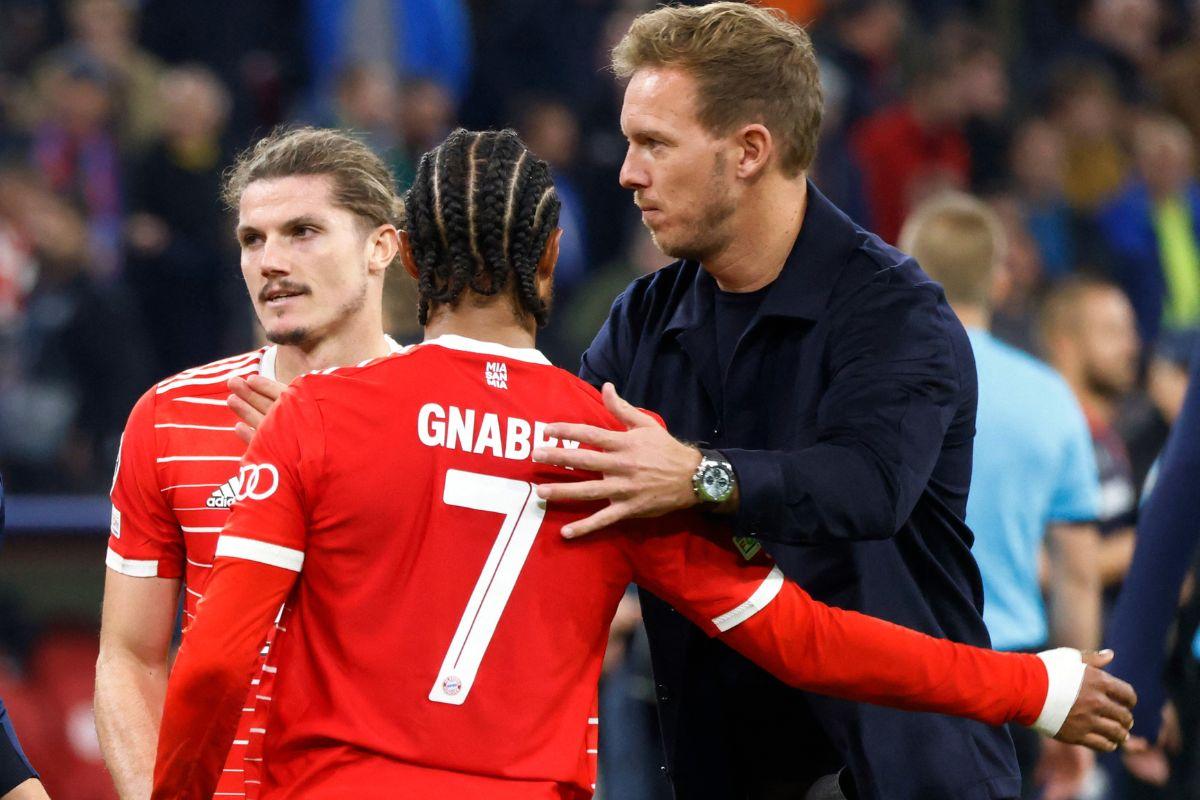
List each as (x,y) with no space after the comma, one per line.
(1097,742)
(583,490)
(585,434)
(1097,658)
(1120,714)
(1119,690)
(244,432)
(1110,729)
(592,460)
(1137,745)
(625,412)
(245,411)
(250,396)
(606,516)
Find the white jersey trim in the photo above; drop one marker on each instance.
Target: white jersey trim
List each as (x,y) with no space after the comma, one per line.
(134,568)
(763,595)
(455,342)
(263,552)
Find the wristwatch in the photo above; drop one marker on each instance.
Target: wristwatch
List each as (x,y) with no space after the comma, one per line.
(714,480)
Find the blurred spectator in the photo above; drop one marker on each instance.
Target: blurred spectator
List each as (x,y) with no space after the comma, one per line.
(1084,106)
(1020,280)
(1064,237)
(426,116)
(1089,336)
(1148,419)
(836,169)
(182,262)
(1178,75)
(551,131)
(914,150)
(74,148)
(367,101)
(986,96)
(858,43)
(105,31)
(1153,228)
(417,38)
(80,356)
(1034,475)
(1123,35)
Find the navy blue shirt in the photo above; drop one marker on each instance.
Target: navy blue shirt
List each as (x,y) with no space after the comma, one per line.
(848,413)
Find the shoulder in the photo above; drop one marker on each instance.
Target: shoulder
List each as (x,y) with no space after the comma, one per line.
(652,296)
(1036,378)
(208,380)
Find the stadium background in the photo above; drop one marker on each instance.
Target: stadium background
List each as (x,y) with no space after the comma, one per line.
(118,265)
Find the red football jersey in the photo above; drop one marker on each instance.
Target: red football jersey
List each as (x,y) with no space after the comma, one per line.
(444,639)
(176,479)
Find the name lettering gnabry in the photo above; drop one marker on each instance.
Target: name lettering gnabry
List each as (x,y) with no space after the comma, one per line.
(474,432)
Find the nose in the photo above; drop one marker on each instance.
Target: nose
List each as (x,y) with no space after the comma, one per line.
(271,258)
(633,175)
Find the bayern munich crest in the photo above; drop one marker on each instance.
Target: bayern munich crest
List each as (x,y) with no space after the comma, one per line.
(452,685)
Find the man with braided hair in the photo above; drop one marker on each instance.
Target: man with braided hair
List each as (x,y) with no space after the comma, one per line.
(444,639)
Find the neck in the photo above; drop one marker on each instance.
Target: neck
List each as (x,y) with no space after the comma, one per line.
(488,321)
(365,342)
(972,316)
(765,232)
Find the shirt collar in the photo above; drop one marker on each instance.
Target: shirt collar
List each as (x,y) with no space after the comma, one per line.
(468,345)
(802,290)
(266,367)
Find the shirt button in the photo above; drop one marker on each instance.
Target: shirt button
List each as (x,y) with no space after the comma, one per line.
(663,695)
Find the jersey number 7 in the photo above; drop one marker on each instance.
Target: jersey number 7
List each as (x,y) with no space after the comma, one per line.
(523,513)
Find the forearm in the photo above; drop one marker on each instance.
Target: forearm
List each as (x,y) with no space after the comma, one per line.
(1116,554)
(1075,585)
(1075,612)
(825,493)
(855,657)
(128,709)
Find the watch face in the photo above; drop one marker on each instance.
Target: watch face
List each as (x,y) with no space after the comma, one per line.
(716,482)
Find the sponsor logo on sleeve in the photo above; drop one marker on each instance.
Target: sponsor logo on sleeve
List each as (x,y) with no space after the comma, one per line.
(253,482)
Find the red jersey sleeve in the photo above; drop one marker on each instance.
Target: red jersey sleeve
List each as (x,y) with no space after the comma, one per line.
(812,646)
(208,684)
(144,538)
(269,521)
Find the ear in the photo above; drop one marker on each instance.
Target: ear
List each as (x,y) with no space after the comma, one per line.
(545,267)
(385,244)
(757,148)
(407,258)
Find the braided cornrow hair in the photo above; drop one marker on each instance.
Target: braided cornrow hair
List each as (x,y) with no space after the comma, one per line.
(481,210)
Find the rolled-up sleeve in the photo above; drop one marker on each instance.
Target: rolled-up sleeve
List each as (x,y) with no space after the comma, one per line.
(893,392)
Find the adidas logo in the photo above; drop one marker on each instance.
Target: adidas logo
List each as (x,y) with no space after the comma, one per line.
(496,374)
(225,494)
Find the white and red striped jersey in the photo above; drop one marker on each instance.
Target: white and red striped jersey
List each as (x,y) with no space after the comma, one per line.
(176,479)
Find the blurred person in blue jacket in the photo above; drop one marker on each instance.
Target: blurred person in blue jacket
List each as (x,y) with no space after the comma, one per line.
(1153,229)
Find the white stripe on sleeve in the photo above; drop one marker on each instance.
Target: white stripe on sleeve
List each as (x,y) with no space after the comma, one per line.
(131,567)
(1065,669)
(763,595)
(262,552)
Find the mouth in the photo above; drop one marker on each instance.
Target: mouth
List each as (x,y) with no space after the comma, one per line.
(277,296)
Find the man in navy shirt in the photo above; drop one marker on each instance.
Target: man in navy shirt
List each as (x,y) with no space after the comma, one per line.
(832,391)
(18,781)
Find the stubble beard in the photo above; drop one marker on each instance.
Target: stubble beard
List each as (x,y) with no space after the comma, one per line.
(710,233)
(307,337)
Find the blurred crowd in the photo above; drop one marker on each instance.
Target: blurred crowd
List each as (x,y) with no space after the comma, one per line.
(1075,120)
